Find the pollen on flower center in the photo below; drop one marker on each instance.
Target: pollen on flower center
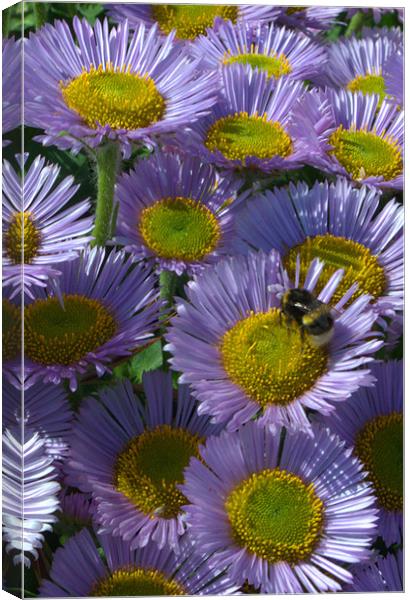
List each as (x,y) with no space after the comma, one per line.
(180,229)
(274,65)
(241,135)
(269,359)
(276,516)
(151,466)
(379,445)
(63,335)
(366,154)
(114,97)
(295,9)
(22,235)
(359,264)
(369,84)
(191,20)
(131,581)
(11,335)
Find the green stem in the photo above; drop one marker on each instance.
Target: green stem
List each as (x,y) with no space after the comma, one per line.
(40,13)
(355,24)
(108,159)
(168,283)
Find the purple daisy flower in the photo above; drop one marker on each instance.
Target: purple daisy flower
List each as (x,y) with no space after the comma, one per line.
(378,575)
(125,572)
(175,211)
(44,409)
(364,142)
(29,493)
(243,360)
(363,66)
(276,50)
(306,18)
(343,226)
(372,422)
(51,235)
(190,20)
(11,85)
(132,457)
(252,125)
(104,85)
(103,307)
(395,77)
(285,515)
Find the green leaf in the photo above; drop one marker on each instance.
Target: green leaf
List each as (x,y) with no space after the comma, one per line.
(149,359)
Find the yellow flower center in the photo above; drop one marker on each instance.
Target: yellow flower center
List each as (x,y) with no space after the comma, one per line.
(114,97)
(131,581)
(191,20)
(241,135)
(366,154)
(268,359)
(151,466)
(274,65)
(22,236)
(57,335)
(276,516)
(379,445)
(295,9)
(11,335)
(180,229)
(369,84)
(359,265)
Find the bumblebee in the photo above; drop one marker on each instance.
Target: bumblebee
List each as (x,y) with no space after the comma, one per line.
(313,316)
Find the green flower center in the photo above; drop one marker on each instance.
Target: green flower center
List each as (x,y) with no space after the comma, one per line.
(191,20)
(269,360)
(359,264)
(137,582)
(57,335)
(365,154)
(11,335)
(114,97)
(241,135)
(22,228)
(369,84)
(379,445)
(151,466)
(276,516)
(179,228)
(274,65)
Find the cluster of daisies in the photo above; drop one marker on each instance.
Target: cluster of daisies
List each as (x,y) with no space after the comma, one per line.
(237,152)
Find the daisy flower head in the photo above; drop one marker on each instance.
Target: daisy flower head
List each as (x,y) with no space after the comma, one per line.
(103,308)
(231,342)
(11,335)
(44,409)
(395,77)
(29,493)
(132,458)
(343,226)
(276,50)
(252,125)
(176,211)
(364,141)
(190,20)
(104,85)
(287,515)
(371,421)
(33,212)
(378,575)
(122,571)
(311,19)
(11,84)
(363,66)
